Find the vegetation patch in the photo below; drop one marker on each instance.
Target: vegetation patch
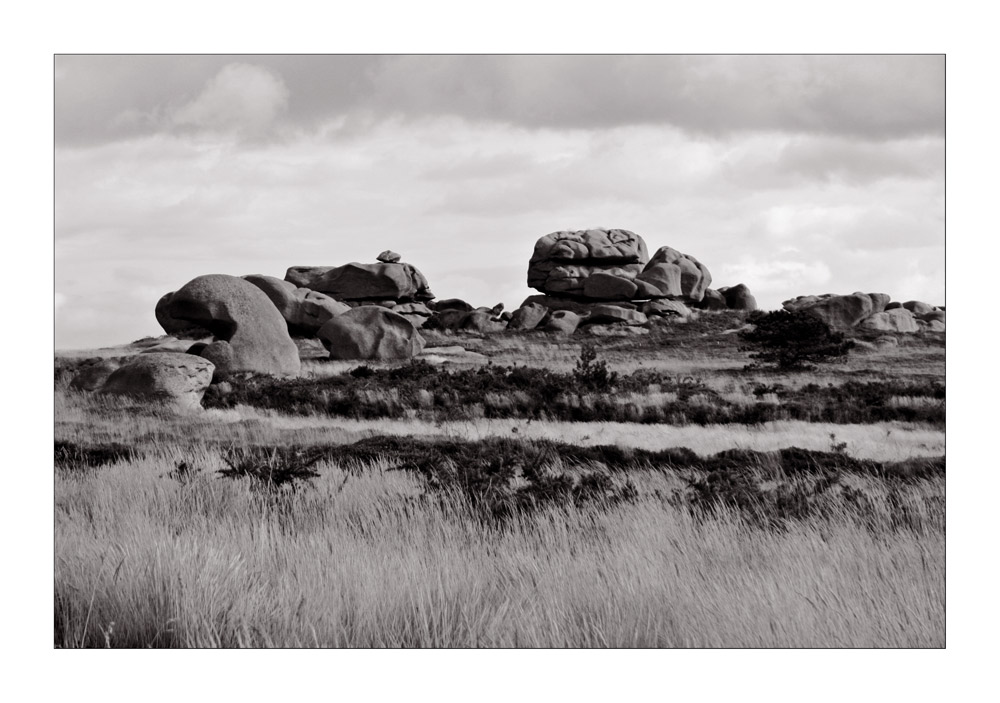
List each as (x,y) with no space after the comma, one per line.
(590,393)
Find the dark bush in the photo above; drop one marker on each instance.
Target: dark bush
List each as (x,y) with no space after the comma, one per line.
(792,340)
(70,456)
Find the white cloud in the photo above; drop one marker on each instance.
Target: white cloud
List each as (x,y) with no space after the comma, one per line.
(241,98)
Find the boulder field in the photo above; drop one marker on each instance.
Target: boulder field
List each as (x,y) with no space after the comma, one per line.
(869,311)
(596,281)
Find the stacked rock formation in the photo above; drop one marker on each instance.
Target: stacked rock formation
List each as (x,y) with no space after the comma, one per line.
(870,311)
(606,277)
(388,280)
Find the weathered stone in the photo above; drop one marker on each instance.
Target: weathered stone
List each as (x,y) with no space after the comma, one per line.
(917,307)
(447,319)
(577,306)
(933,315)
(451,304)
(738,297)
(92,374)
(879,301)
(898,320)
(713,300)
(371,332)
(666,308)
(839,312)
(304,310)
(240,314)
(563,261)
(175,379)
(562,322)
(528,317)
(389,257)
(397,281)
(676,275)
(480,321)
(610,314)
(893,305)
(605,286)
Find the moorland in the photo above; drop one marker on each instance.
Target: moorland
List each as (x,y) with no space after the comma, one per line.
(532,491)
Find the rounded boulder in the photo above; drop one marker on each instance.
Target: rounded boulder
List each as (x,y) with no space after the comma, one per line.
(167,377)
(371,332)
(239,313)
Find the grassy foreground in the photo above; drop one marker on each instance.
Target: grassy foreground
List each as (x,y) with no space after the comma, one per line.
(364,556)
(621,539)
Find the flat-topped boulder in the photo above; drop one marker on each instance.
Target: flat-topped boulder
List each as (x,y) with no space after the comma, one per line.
(381,281)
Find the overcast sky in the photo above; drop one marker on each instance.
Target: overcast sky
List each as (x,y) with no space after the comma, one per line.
(793,175)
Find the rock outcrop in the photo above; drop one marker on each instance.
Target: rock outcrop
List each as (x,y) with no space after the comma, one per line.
(371,332)
(175,379)
(304,310)
(563,262)
(671,274)
(897,320)
(738,297)
(249,332)
(870,311)
(387,280)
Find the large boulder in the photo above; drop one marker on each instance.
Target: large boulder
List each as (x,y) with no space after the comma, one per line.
(676,275)
(666,308)
(371,332)
(839,312)
(563,261)
(395,281)
(606,286)
(304,310)
(483,322)
(528,317)
(738,297)
(917,307)
(713,300)
(451,304)
(897,320)
(879,301)
(168,323)
(171,378)
(612,314)
(562,322)
(241,316)
(92,374)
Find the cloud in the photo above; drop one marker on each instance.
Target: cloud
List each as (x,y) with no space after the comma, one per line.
(100,98)
(241,98)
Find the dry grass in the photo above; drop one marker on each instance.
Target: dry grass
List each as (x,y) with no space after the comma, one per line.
(142,560)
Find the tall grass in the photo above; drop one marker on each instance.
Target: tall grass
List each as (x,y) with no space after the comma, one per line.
(360,559)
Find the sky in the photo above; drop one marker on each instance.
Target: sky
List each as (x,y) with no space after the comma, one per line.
(791,174)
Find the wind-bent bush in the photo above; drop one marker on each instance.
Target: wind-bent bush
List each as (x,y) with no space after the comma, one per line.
(792,340)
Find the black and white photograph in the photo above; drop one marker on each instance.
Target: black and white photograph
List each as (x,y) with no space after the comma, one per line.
(499,351)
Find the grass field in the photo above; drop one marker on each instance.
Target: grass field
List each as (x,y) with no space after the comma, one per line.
(504,541)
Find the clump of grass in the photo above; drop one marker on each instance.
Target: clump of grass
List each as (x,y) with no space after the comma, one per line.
(73,457)
(270,469)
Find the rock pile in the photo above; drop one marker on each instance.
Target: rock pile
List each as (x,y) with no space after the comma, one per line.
(387,281)
(870,311)
(606,277)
